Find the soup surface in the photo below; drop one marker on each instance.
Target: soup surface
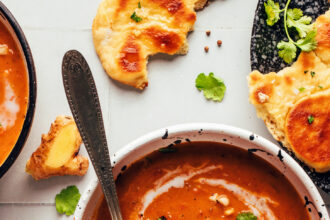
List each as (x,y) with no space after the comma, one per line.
(13,92)
(204,180)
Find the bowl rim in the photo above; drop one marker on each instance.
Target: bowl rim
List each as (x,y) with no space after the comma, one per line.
(27,124)
(211,127)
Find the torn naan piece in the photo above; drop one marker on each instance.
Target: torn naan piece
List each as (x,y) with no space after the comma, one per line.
(127,32)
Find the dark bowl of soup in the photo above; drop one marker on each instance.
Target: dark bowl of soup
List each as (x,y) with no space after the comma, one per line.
(17,89)
(206,171)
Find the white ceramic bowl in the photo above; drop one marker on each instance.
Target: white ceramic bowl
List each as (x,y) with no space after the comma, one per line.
(215,133)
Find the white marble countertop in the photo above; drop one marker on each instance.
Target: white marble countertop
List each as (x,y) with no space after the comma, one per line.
(53,27)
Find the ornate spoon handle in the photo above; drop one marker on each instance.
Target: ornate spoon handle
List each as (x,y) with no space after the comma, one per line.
(85,106)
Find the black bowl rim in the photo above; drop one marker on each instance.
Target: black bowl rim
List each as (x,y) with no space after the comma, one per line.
(32,90)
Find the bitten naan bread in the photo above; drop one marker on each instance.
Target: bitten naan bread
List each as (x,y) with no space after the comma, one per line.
(295,102)
(124,45)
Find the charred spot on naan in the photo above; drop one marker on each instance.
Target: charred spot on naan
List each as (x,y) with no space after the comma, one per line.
(263,93)
(310,138)
(130,59)
(164,41)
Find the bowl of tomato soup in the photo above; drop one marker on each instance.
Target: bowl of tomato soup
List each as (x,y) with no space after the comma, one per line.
(206,171)
(17,89)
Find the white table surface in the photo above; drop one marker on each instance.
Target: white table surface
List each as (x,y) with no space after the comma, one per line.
(53,27)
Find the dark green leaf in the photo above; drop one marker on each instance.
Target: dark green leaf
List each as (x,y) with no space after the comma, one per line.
(135,18)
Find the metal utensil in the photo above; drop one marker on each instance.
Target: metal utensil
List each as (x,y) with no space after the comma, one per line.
(85,106)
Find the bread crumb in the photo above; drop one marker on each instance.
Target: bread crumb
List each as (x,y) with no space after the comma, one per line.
(229,211)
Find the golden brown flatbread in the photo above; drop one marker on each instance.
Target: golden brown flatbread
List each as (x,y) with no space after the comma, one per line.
(124,45)
(280,100)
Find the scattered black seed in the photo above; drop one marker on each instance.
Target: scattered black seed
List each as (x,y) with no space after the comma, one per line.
(102,168)
(188,140)
(123,168)
(177,142)
(224,139)
(253,150)
(165,135)
(251,137)
(280,156)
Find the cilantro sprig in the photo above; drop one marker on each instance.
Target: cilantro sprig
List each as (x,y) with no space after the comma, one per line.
(246,216)
(213,87)
(293,18)
(135,17)
(66,201)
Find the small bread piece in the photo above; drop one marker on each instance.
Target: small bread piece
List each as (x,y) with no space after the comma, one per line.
(124,45)
(57,153)
(284,99)
(310,140)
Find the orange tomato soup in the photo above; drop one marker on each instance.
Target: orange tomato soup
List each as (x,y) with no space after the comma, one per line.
(13,92)
(204,180)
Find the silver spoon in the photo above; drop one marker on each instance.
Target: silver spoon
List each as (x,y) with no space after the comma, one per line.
(85,107)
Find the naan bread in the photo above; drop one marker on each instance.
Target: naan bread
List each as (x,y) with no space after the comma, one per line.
(285,101)
(124,45)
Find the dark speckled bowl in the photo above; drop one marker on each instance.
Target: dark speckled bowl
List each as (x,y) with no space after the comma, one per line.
(8,19)
(264,55)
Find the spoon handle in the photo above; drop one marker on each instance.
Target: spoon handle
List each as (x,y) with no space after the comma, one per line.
(85,106)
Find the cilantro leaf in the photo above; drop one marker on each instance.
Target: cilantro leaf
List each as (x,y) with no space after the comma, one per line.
(310,119)
(139,5)
(309,43)
(246,216)
(301,23)
(213,87)
(273,12)
(67,200)
(301,89)
(135,18)
(287,51)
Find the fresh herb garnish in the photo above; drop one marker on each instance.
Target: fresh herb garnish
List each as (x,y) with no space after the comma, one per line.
(312,74)
(310,119)
(321,87)
(306,71)
(293,18)
(301,89)
(135,18)
(273,12)
(67,200)
(213,87)
(246,216)
(161,218)
(139,4)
